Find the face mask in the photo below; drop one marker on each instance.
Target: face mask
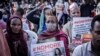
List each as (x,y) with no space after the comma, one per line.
(51,26)
(60,1)
(5,16)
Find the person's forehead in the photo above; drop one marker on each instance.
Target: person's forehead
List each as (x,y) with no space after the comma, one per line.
(15,20)
(74,10)
(97,25)
(51,18)
(48,11)
(57,51)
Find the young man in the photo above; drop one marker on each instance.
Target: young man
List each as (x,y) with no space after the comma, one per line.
(91,48)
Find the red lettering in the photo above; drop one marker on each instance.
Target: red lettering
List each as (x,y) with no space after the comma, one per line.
(78,22)
(45,47)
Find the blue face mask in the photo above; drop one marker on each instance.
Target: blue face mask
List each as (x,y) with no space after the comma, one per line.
(5,16)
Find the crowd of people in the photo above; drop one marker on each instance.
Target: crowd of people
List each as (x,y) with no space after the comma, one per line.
(23,24)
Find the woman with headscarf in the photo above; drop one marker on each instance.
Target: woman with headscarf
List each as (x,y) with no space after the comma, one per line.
(52,32)
(67,28)
(16,37)
(4,49)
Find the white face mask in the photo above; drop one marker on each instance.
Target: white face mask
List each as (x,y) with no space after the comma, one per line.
(51,26)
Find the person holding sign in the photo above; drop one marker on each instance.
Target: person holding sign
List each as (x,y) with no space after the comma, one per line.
(91,48)
(74,12)
(52,33)
(67,28)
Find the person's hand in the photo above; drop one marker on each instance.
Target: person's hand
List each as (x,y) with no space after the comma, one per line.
(42,38)
(71,49)
(42,6)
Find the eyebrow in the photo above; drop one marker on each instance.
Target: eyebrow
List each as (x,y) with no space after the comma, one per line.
(15,23)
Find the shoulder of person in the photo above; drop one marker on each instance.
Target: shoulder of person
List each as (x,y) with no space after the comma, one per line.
(61,34)
(31,34)
(66,3)
(68,24)
(26,36)
(25,33)
(79,50)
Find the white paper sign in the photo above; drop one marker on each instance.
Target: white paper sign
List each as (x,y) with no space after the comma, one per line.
(81,25)
(48,49)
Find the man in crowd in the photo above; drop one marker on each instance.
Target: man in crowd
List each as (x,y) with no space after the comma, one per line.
(91,48)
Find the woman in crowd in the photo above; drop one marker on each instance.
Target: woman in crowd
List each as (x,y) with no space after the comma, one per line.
(16,37)
(52,32)
(67,28)
(74,12)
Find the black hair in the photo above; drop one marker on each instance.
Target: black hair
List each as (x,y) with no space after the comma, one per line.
(7,12)
(72,0)
(96,18)
(44,11)
(98,1)
(66,0)
(21,10)
(78,36)
(60,53)
(0,15)
(53,12)
(89,1)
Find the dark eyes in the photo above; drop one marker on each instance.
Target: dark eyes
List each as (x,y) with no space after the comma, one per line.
(75,12)
(16,24)
(50,22)
(97,32)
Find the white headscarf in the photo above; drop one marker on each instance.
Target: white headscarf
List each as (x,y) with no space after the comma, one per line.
(33,38)
(73,5)
(98,9)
